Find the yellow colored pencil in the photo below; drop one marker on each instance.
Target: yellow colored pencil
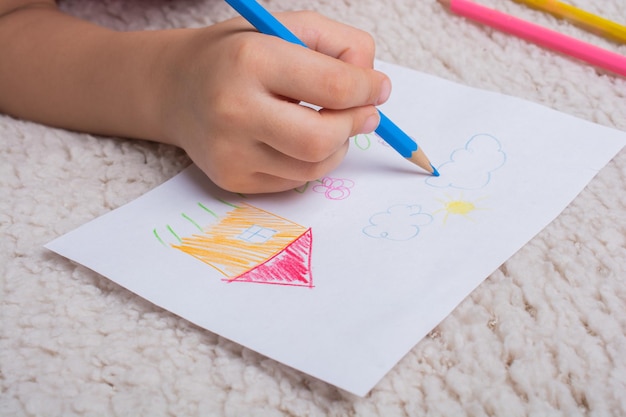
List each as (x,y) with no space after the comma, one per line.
(588,21)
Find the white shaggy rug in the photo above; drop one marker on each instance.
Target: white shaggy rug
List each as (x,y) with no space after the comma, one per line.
(545,335)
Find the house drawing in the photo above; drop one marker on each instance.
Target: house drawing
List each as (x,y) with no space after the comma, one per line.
(249,244)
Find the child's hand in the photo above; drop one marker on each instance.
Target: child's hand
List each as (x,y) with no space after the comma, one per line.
(226,94)
(230,98)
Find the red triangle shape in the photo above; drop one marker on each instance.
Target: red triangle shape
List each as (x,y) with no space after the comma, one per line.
(291,266)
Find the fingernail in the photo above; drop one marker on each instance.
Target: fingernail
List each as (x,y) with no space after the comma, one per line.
(370,124)
(385,91)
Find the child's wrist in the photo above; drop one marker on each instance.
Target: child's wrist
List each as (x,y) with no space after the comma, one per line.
(160,97)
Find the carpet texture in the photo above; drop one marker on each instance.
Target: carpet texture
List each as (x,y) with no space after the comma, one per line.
(545,335)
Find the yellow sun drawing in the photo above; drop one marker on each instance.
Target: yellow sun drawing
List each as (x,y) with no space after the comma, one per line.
(458,207)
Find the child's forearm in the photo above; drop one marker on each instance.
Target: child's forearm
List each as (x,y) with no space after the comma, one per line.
(65,72)
(226,94)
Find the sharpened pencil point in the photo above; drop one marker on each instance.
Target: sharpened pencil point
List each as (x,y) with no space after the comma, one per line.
(419,158)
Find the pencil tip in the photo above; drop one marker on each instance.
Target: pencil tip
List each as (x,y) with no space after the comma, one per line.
(435,172)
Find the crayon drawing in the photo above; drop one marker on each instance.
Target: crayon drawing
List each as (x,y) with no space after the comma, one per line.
(331,188)
(302,189)
(398,223)
(390,261)
(458,207)
(364,141)
(249,244)
(471,167)
(334,188)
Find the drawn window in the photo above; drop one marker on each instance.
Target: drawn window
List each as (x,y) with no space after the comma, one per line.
(257,234)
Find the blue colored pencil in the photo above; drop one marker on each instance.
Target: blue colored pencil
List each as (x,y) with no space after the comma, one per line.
(265,23)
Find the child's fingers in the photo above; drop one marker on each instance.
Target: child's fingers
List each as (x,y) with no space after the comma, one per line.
(262,168)
(280,165)
(331,38)
(259,182)
(309,76)
(305,134)
(266,183)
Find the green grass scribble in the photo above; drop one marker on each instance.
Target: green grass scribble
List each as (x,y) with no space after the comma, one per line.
(208,210)
(174,233)
(227,203)
(156,234)
(191,221)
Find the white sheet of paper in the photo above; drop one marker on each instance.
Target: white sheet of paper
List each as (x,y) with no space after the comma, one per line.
(392,250)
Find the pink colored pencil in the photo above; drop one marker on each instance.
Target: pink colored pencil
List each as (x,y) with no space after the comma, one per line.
(541,36)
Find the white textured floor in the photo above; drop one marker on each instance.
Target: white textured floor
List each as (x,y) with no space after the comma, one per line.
(545,335)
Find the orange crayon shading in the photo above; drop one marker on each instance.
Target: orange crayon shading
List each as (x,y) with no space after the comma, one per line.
(253,245)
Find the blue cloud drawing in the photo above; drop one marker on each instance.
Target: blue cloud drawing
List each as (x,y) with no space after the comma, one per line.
(400,222)
(471,167)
